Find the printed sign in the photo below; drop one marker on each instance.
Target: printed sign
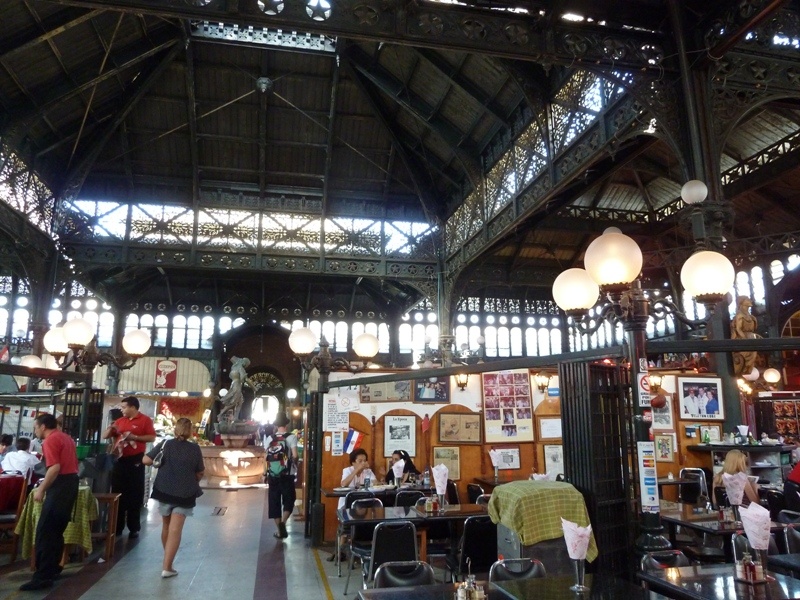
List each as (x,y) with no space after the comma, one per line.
(332,417)
(648,479)
(643,388)
(166,375)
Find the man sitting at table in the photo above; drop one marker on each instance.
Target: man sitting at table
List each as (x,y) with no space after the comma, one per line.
(354,476)
(21,460)
(61,484)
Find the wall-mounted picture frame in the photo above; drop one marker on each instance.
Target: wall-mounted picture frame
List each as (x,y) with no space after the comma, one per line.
(391,391)
(509,458)
(663,417)
(432,392)
(714,433)
(459,428)
(701,398)
(665,447)
(450,457)
(507,407)
(549,428)
(553,458)
(400,433)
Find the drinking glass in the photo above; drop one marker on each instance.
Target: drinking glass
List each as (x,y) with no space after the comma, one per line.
(580,573)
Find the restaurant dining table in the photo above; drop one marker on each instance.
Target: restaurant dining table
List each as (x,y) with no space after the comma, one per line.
(378,490)
(372,516)
(601,587)
(662,481)
(10,489)
(689,516)
(78,531)
(716,582)
(438,591)
(489,483)
(789,563)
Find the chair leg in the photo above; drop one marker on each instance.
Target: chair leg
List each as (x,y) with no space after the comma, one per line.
(338,554)
(349,570)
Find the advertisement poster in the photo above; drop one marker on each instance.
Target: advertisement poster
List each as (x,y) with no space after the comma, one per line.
(507,407)
(648,479)
(166,375)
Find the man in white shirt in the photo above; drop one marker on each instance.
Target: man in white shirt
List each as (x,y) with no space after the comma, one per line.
(21,460)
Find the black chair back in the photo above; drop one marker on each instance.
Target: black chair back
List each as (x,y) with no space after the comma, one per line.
(452,492)
(696,474)
(363,532)
(407,497)
(483,499)
(474,491)
(690,492)
(404,574)
(791,492)
(356,495)
(721,497)
(776,503)
(664,559)
(788,516)
(392,541)
(792,540)
(478,544)
(741,545)
(516,568)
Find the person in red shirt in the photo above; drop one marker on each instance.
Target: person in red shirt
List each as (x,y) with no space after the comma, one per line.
(61,485)
(131,433)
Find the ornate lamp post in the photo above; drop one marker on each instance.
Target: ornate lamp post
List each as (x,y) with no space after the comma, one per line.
(613,263)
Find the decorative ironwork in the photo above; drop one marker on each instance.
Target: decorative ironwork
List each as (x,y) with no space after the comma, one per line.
(264,36)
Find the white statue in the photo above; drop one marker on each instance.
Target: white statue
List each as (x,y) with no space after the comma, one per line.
(233,400)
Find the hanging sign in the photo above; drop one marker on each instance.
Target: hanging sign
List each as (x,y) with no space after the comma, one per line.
(166,375)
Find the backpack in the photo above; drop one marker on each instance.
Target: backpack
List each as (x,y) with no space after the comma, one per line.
(279,459)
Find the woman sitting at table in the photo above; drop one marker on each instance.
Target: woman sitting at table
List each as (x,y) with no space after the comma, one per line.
(736,462)
(408,468)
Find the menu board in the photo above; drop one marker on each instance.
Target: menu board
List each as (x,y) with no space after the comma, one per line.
(507,407)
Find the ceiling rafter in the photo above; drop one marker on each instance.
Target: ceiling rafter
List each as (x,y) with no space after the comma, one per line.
(191,115)
(50,27)
(326,174)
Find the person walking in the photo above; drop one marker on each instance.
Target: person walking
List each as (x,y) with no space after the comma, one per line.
(60,484)
(131,433)
(281,459)
(176,488)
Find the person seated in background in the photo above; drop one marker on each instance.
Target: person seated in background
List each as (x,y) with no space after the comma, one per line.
(353,476)
(22,460)
(6,445)
(408,469)
(736,462)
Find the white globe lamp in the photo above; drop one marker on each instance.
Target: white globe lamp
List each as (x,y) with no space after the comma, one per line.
(78,332)
(366,345)
(694,192)
(707,276)
(302,341)
(136,342)
(55,342)
(772,376)
(31,361)
(613,260)
(575,292)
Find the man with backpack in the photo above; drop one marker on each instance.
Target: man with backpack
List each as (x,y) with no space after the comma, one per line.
(281,459)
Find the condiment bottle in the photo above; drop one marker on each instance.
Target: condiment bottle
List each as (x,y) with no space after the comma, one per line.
(428,504)
(749,567)
(434,503)
(739,570)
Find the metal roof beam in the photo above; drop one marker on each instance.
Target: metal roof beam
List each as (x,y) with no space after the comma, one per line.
(52,26)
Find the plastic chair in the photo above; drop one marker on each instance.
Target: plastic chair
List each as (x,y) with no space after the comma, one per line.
(510,569)
(392,541)
(474,491)
(404,574)
(360,535)
(478,544)
(483,499)
(664,559)
(408,497)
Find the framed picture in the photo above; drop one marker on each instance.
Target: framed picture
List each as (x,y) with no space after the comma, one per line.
(459,428)
(701,398)
(549,428)
(507,406)
(509,458)
(665,447)
(450,457)
(714,432)
(553,458)
(432,392)
(400,433)
(662,417)
(391,391)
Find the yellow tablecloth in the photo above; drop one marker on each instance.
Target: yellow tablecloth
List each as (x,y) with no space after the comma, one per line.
(78,531)
(533,510)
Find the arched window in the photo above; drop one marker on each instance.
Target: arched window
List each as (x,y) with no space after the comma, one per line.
(555,340)
(432,333)
(757,281)
(417,340)
(179,331)
(544,342)
(193,332)
(207,333)
(462,337)
(341,336)
(490,333)
(383,338)
(161,327)
(503,342)
(225,324)
(531,341)
(316,328)
(404,338)
(329,331)
(19,326)
(54,317)
(105,330)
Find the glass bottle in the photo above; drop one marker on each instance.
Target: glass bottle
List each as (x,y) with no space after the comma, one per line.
(706,437)
(749,567)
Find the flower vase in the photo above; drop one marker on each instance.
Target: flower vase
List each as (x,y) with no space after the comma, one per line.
(579,565)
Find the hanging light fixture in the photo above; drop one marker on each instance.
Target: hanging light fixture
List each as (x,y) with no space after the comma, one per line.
(655,380)
(772,376)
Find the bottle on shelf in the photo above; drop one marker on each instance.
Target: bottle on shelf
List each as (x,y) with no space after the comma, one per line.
(426,479)
(706,437)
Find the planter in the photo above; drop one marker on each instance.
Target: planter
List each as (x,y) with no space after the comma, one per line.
(243,465)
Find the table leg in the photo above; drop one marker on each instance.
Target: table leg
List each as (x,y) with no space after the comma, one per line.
(422,534)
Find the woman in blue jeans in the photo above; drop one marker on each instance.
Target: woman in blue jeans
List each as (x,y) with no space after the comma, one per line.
(176,488)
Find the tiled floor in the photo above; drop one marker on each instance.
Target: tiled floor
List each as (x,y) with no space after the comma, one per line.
(229,556)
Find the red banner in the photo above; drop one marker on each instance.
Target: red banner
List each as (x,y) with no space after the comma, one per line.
(166,375)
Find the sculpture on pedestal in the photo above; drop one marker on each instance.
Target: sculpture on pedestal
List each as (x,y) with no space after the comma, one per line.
(743,327)
(233,400)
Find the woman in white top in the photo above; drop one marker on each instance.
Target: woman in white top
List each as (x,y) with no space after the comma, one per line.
(358,471)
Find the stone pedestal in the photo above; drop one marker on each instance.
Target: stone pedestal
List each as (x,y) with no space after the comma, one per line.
(243,465)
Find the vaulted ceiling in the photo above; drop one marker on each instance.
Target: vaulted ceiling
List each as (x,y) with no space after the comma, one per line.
(362,111)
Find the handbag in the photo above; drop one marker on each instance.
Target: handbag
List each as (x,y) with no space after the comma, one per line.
(159,459)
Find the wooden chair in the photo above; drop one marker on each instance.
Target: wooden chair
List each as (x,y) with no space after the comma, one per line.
(111,503)
(9,520)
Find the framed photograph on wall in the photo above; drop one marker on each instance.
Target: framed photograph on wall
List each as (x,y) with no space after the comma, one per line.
(450,457)
(549,428)
(392,391)
(662,417)
(714,432)
(553,458)
(459,428)
(665,447)
(400,433)
(436,392)
(509,458)
(701,398)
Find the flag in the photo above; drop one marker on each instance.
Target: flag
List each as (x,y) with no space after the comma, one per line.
(353,440)
(426,424)
(4,356)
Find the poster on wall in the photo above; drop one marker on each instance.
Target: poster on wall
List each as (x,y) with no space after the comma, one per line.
(332,418)
(507,408)
(554,459)
(166,376)
(400,433)
(390,391)
(648,478)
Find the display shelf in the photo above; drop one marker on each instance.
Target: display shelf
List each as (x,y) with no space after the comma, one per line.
(777,458)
